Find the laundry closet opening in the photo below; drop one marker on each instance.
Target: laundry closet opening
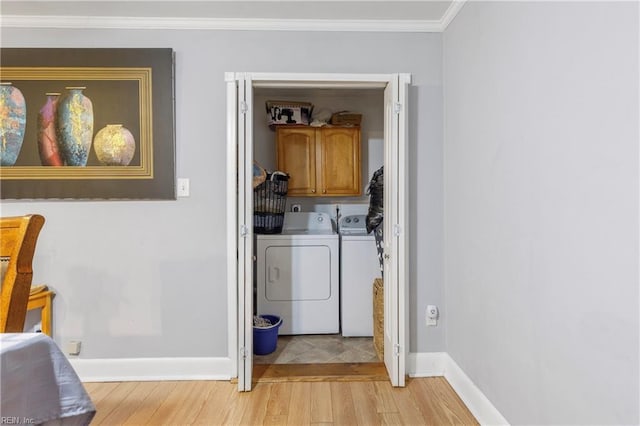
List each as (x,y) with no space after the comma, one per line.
(324,198)
(317,274)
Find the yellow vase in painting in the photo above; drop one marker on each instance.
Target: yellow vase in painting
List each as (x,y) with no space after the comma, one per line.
(114,145)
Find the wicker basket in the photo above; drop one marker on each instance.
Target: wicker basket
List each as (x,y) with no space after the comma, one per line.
(378,317)
(269,200)
(346,118)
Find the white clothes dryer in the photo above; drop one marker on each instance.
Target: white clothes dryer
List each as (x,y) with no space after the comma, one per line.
(297,274)
(359,266)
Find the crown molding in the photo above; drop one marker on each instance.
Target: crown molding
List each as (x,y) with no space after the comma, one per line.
(451,13)
(173,23)
(241,24)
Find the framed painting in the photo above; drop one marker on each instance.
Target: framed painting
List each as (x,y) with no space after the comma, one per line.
(87,124)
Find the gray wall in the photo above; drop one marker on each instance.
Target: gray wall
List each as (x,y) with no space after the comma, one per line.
(148,279)
(541,208)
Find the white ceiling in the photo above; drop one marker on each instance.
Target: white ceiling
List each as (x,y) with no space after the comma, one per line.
(363,15)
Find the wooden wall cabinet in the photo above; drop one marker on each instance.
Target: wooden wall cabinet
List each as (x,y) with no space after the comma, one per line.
(321,161)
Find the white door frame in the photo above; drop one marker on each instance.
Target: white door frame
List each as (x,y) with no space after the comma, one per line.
(240,205)
(240,226)
(395,224)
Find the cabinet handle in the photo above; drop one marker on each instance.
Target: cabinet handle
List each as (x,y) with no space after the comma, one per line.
(324,191)
(313,191)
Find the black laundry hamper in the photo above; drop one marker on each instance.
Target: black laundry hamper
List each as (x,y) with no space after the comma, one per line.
(269,202)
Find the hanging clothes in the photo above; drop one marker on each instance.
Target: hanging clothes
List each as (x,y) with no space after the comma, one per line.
(376,200)
(375,216)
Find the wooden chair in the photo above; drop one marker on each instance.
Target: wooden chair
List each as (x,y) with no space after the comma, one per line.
(18,236)
(41,298)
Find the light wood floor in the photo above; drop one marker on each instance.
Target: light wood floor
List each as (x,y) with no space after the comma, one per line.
(424,401)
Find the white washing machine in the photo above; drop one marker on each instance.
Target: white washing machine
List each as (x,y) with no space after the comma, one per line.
(359,266)
(297,274)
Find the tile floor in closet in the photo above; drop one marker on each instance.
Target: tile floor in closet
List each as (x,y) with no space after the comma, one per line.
(331,348)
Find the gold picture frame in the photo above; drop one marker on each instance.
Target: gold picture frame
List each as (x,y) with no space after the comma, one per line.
(141,97)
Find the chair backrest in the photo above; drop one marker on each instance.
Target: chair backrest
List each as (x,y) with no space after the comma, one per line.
(18,236)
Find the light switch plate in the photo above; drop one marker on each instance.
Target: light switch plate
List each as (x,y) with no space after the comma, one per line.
(183,187)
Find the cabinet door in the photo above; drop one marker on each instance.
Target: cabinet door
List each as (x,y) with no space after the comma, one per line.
(297,157)
(339,172)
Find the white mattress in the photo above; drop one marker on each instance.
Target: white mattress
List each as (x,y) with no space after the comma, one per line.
(38,385)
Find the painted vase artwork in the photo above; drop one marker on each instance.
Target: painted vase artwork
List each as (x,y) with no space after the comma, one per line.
(114,145)
(75,126)
(13,115)
(47,139)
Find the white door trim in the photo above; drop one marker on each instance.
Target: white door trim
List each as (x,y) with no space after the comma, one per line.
(232,219)
(236,197)
(395,229)
(240,226)
(402,216)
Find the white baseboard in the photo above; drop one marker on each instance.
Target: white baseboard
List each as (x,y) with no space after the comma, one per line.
(440,364)
(476,401)
(426,364)
(148,369)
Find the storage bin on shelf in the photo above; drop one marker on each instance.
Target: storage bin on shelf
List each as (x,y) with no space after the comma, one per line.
(288,113)
(269,201)
(346,118)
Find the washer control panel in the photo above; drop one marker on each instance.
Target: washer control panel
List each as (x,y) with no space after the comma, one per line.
(353,224)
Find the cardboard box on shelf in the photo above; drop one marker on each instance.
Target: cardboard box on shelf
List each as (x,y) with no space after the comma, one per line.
(288,112)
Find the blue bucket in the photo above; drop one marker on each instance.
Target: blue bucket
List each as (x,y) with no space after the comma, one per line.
(265,339)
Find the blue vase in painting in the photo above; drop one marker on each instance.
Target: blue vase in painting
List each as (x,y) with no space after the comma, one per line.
(13,117)
(75,126)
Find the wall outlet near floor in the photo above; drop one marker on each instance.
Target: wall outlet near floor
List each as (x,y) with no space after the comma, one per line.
(432,315)
(73,347)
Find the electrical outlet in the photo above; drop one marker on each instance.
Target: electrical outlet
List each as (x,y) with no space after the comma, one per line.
(73,347)
(431,315)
